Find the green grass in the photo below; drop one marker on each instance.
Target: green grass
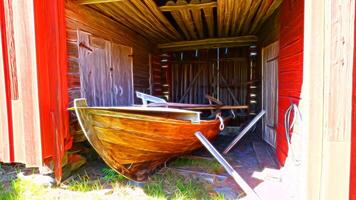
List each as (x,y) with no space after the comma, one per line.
(209,166)
(84,184)
(171,185)
(5,194)
(21,189)
(111,175)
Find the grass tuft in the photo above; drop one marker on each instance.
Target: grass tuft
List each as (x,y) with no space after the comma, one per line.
(21,189)
(171,185)
(5,194)
(83,184)
(209,166)
(111,175)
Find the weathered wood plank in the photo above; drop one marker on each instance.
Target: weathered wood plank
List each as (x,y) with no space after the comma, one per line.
(158,14)
(252,13)
(209,17)
(209,43)
(26,127)
(187,19)
(96,1)
(220,16)
(178,18)
(4,120)
(173,7)
(122,75)
(275,5)
(197,17)
(243,15)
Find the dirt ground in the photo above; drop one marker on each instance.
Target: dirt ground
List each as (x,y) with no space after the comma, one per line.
(197,176)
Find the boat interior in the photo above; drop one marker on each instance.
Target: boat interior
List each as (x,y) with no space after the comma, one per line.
(211,52)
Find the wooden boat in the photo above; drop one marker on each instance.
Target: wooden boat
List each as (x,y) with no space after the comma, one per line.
(136,140)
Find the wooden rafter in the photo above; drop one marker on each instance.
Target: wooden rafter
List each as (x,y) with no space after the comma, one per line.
(151,5)
(96,1)
(194,19)
(209,43)
(271,10)
(187,19)
(177,7)
(209,17)
(143,17)
(179,19)
(196,13)
(220,15)
(252,12)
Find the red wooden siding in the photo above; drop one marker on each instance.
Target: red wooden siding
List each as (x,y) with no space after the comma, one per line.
(6,140)
(290,65)
(52,79)
(22,139)
(353,128)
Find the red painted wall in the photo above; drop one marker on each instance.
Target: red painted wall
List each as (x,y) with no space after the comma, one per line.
(52,79)
(7,82)
(290,73)
(353,131)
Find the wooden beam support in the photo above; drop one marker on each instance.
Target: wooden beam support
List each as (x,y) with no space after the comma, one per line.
(170,8)
(209,43)
(84,2)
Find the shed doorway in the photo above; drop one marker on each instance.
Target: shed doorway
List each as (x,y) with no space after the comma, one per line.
(270,92)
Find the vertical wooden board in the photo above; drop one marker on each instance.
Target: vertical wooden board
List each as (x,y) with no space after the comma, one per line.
(11,49)
(270,91)
(98,63)
(338,61)
(4,121)
(122,74)
(27,134)
(86,80)
(352,188)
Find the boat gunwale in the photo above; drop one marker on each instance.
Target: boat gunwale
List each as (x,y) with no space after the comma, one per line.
(144,117)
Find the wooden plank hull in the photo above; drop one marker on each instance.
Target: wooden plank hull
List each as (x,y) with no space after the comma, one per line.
(135,143)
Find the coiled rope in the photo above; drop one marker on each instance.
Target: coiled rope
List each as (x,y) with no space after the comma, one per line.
(222,126)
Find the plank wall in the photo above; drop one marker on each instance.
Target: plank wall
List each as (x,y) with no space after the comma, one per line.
(85,19)
(194,74)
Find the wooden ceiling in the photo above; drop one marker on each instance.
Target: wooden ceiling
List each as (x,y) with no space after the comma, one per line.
(163,21)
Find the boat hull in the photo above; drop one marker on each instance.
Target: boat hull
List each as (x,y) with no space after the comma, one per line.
(135,144)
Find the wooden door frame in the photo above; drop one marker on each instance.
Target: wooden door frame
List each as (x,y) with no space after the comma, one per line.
(326,153)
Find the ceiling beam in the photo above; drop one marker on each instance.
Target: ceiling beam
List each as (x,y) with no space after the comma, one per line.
(83,2)
(209,43)
(187,6)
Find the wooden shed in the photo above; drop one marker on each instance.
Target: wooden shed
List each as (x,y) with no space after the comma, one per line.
(265,54)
